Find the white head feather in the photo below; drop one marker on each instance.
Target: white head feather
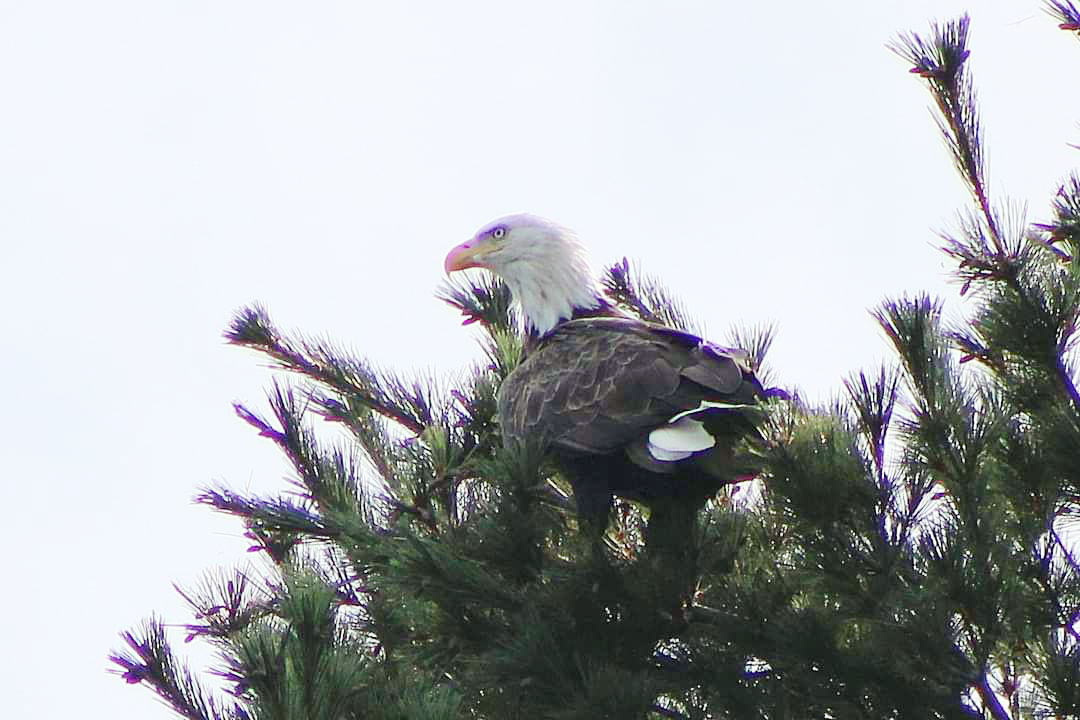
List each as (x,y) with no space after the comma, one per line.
(545,266)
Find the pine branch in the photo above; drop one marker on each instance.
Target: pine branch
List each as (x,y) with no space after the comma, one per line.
(941,61)
(429,467)
(756,341)
(1061,683)
(990,701)
(368,428)
(913,327)
(1066,380)
(647,298)
(278,515)
(874,402)
(407,404)
(151,661)
(331,480)
(1053,588)
(486,300)
(223,606)
(1065,13)
(504,350)
(1067,552)
(1065,227)
(420,470)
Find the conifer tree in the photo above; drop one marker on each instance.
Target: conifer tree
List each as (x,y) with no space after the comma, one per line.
(904,552)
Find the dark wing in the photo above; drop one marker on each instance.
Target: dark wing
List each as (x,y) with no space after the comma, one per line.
(597,385)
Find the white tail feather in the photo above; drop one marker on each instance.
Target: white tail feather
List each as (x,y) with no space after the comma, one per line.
(679,439)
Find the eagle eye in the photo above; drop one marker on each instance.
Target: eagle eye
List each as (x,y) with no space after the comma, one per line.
(499,233)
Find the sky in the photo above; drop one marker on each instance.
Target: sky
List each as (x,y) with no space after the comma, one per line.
(163,164)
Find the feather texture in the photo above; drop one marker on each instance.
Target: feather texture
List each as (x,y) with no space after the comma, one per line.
(601,385)
(628,407)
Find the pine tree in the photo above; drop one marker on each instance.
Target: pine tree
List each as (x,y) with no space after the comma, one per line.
(904,552)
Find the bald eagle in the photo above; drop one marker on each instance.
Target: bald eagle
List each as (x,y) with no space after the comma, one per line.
(629,408)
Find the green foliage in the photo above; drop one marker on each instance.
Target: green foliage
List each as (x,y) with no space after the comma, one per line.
(646,297)
(903,553)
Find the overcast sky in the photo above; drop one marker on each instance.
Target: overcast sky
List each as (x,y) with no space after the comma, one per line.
(164,163)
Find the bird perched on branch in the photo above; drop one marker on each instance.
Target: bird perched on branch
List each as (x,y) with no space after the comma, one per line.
(629,408)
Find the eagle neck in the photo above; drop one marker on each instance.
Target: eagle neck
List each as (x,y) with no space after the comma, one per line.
(545,305)
(549,277)
(534,338)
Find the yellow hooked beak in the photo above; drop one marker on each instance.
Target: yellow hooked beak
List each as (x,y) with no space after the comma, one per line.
(466,255)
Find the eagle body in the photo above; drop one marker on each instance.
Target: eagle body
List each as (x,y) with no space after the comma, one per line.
(628,407)
(597,390)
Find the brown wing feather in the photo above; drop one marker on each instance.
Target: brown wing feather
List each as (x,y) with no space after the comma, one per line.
(596,385)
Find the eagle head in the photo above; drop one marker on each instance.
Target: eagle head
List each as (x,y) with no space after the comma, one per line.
(543,263)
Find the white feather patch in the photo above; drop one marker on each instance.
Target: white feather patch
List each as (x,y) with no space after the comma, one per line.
(679,439)
(709,405)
